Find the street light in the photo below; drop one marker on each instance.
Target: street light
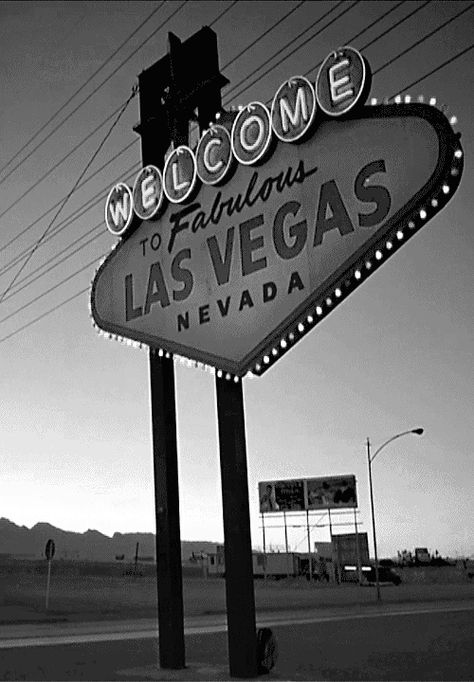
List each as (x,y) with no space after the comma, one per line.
(370,459)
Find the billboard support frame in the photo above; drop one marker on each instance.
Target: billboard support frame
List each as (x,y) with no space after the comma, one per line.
(359,564)
(310,560)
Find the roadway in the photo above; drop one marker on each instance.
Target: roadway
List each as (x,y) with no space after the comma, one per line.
(423,641)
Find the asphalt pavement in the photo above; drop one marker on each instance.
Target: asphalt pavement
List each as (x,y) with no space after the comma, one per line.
(425,641)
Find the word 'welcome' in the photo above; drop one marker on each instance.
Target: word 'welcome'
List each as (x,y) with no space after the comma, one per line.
(342,83)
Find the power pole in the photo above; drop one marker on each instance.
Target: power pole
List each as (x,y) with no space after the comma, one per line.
(186,79)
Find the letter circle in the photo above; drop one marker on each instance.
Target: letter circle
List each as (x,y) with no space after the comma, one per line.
(213,155)
(119,209)
(148,192)
(293,109)
(251,133)
(342,79)
(179,174)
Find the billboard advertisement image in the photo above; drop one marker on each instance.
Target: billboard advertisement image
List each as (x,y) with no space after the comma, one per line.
(331,492)
(301,494)
(281,496)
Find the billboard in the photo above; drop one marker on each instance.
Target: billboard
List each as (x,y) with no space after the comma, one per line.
(238,248)
(302,494)
(331,493)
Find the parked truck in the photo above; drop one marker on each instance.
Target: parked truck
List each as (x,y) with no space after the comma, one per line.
(422,556)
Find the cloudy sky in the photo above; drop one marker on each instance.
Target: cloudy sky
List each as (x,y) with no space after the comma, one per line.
(397,354)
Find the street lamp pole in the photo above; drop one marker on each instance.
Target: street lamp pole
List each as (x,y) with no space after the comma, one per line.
(370,459)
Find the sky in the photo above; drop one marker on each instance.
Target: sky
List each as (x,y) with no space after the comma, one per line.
(76,446)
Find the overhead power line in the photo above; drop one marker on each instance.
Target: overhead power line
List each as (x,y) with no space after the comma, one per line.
(66,199)
(264,34)
(81,87)
(91,94)
(59,262)
(290,42)
(381,35)
(56,165)
(52,288)
(219,16)
(89,135)
(75,215)
(51,209)
(419,41)
(452,59)
(32,279)
(86,138)
(45,314)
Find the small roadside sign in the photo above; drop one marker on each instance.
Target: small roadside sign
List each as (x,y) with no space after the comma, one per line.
(49,549)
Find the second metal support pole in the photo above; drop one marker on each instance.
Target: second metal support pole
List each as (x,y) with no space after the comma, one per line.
(240,597)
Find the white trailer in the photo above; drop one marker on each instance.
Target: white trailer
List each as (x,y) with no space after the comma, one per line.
(272,565)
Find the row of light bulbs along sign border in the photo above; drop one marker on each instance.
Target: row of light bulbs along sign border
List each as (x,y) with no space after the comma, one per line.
(372,259)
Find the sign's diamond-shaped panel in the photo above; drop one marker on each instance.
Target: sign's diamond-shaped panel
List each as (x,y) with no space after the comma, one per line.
(226,277)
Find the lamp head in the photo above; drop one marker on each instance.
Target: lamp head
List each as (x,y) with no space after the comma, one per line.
(418,431)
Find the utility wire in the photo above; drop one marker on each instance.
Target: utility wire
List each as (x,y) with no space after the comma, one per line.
(48,291)
(435,70)
(396,25)
(78,213)
(88,136)
(58,263)
(122,63)
(290,42)
(86,82)
(51,209)
(227,9)
(59,253)
(418,41)
(265,33)
(66,199)
(381,35)
(219,16)
(56,165)
(40,317)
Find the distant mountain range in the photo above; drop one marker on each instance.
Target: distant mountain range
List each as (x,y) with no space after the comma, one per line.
(29,543)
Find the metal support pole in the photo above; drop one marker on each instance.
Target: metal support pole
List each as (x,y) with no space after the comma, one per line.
(155,138)
(264,548)
(48,582)
(286,544)
(377,583)
(310,560)
(135,568)
(240,597)
(168,539)
(359,565)
(335,561)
